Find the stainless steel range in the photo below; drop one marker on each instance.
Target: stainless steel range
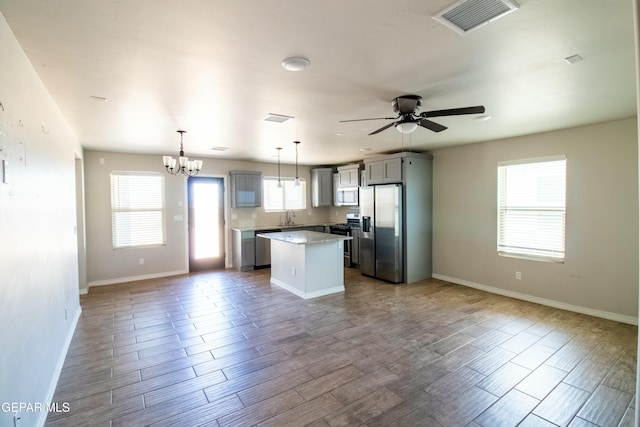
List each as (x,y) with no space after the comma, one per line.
(351,247)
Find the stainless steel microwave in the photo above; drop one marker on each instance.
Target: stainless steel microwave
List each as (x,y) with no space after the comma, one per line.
(347,196)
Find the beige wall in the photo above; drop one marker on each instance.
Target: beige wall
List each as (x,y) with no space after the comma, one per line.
(105,265)
(39,303)
(600,275)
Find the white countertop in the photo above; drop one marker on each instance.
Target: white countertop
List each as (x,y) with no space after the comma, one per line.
(258,228)
(304,237)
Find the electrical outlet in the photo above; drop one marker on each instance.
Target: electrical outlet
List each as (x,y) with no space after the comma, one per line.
(293,271)
(141,261)
(518,275)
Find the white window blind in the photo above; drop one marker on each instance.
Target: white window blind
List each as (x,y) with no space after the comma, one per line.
(137,209)
(532,208)
(289,196)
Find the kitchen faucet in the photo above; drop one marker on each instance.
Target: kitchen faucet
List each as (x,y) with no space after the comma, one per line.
(289,215)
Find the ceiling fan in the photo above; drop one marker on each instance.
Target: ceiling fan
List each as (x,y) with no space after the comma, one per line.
(409,118)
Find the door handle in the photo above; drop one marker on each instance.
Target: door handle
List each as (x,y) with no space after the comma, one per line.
(366,224)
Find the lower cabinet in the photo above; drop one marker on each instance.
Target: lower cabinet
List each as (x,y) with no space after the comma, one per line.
(244,249)
(249,252)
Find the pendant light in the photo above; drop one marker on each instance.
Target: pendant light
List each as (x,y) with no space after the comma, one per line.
(297,181)
(182,164)
(279,181)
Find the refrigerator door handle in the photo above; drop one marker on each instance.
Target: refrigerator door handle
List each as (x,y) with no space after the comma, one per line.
(366,224)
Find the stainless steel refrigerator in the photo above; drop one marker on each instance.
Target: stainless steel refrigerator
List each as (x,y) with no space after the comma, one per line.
(381,246)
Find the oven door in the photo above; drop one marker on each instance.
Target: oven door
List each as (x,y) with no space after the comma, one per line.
(347,243)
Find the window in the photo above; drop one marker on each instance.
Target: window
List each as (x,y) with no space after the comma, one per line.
(137,209)
(289,196)
(531,208)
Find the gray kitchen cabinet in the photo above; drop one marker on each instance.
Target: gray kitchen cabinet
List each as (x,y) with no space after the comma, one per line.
(349,176)
(321,187)
(384,171)
(246,189)
(244,249)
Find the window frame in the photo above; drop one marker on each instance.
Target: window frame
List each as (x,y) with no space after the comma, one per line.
(119,206)
(536,213)
(268,181)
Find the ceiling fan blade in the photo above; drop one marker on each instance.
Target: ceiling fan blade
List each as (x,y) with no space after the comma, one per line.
(436,127)
(383,128)
(362,120)
(454,111)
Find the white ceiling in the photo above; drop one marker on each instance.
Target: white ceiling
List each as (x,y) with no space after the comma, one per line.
(213,67)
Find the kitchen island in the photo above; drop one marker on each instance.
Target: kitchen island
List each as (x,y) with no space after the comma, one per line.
(307,263)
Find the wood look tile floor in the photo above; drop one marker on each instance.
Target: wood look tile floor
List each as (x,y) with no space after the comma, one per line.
(225,348)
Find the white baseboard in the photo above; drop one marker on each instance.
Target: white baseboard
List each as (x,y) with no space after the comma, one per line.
(543,301)
(130,279)
(307,295)
(58,369)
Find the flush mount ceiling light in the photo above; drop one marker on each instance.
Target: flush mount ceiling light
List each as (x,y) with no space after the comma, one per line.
(467,15)
(295,63)
(182,164)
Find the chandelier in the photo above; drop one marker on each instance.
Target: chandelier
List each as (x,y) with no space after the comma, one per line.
(182,164)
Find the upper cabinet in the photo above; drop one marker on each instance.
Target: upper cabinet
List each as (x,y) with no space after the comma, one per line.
(383,170)
(349,176)
(246,189)
(321,187)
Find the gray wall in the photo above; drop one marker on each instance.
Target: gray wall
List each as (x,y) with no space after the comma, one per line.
(600,275)
(105,265)
(38,254)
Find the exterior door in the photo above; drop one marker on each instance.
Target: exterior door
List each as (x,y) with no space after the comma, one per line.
(206,223)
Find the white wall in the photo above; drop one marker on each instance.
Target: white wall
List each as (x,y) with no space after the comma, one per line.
(38,255)
(600,275)
(105,265)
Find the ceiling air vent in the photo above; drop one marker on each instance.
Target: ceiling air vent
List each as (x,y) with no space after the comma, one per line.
(467,15)
(278,118)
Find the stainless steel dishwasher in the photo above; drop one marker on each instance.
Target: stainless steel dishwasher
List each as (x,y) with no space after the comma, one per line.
(263,248)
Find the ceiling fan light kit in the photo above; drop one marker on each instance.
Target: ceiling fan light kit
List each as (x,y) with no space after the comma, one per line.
(406,127)
(182,164)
